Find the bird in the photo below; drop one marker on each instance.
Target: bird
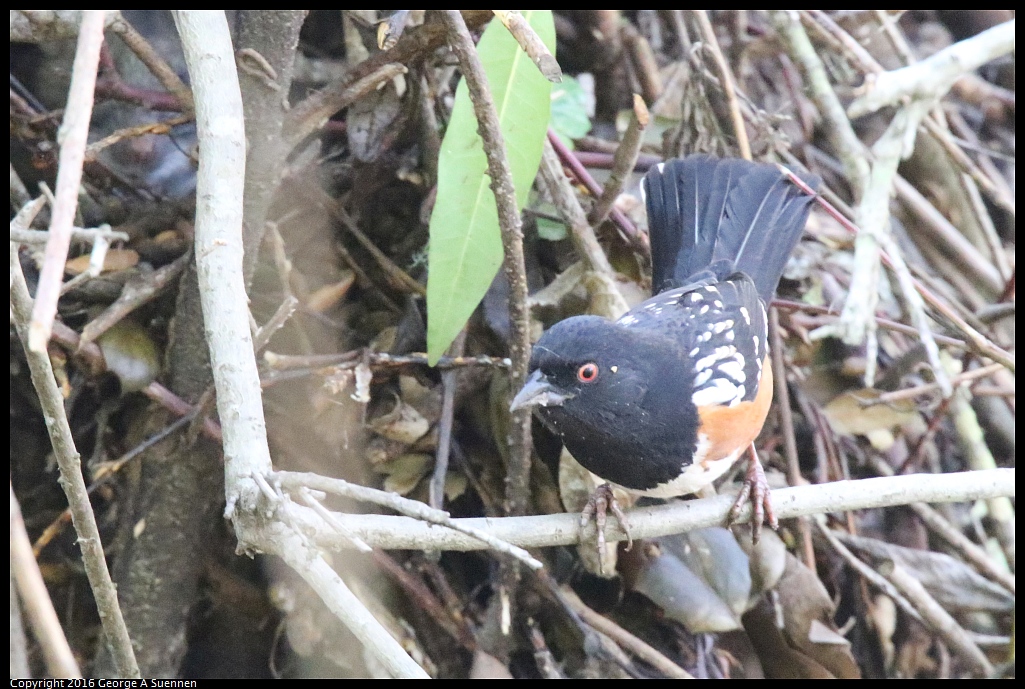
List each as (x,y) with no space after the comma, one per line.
(665,400)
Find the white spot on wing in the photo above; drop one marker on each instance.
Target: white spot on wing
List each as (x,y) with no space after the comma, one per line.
(729,336)
(721,391)
(703,377)
(734,369)
(705,362)
(704,310)
(711,289)
(745,314)
(695,297)
(694,352)
(740,396)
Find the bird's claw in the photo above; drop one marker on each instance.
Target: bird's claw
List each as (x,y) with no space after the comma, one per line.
(756,488)
(601,502)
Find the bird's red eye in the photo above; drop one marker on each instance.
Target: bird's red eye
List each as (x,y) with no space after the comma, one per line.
(587,373)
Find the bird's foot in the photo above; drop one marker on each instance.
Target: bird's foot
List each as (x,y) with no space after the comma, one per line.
(601,502)
(757,489)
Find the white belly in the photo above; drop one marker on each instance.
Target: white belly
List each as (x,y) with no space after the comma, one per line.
(697,476)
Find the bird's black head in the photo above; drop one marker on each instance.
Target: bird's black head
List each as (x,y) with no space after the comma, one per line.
(618,398)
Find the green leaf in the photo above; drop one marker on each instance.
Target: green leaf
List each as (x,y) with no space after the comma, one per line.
(465,249)
(550,230)
(569,110)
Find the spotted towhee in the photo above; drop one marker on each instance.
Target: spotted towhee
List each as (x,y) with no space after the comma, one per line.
(664,400)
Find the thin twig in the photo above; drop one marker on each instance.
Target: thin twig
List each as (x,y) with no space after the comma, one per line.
(985,173)
(997,191)
(642,59)
(159,68)
(19,193)
(104,473)
(306,497)
(155,128)
(309,115)
(266,331)
(376,360)
(980,457)
(46,626)
(70,464)
(944,235)
(726,79)
(399,277)
(531,43)
(518,478)
(546,663)
(932,518)
(564,197)
(73,135)
(886,323)
(846,145)
(78,234)
(312,114)
(830,31)
(786,424)
(411,508)
(624,162)
(135,293)
(448,399)
(298,554)
(974,339)
(631,643)
(937,618)
(911,393)
(424,599)
(870,575)
(637,239)
(382,531)
(931,78)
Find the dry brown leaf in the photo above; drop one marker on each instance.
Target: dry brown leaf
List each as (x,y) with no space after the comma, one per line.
(405,472)
(806,604)
(848,415)
(323,298)
(403,423)
(115,259)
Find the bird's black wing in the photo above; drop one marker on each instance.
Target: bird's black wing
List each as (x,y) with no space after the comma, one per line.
(721,325)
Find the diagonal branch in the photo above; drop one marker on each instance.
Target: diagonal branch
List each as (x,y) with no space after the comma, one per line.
(70,463)
(207,46)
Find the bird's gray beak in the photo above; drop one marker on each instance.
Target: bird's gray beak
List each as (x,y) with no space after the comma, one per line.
(538,391)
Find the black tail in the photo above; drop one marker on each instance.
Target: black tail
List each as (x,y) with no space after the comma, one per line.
(702,210)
